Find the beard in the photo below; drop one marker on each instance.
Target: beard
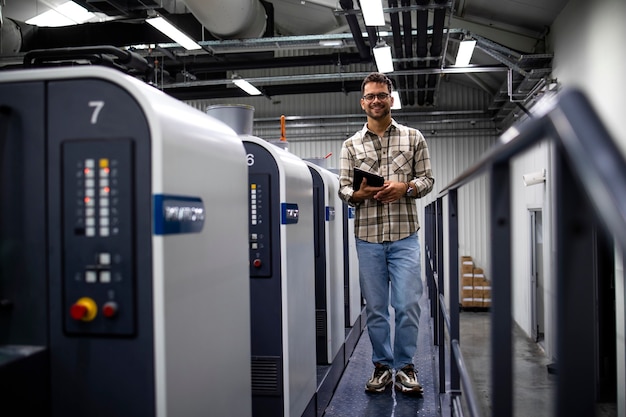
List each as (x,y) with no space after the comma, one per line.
(377,112)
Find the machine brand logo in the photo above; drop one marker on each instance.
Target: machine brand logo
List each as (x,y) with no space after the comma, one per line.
(290,213)
(183,213)
(330,213)
(178,214)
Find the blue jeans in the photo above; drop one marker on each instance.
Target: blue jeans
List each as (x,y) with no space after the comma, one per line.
(391,271)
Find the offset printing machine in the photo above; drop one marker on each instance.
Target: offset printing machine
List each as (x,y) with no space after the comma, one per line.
(282,276)
(124,281)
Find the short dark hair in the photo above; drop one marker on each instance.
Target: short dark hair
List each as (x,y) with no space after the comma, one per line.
(377,77)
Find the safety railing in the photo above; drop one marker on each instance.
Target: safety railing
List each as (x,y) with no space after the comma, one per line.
(589,174)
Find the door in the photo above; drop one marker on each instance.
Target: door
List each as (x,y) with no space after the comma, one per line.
(537,281)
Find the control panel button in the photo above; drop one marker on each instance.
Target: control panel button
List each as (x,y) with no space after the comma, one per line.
(109,309)
(104,258)
(90,276)
(105,277)
(257,263)
(84,309)
(78,311)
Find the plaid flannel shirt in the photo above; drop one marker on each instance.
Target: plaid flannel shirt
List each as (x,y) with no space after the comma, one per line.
(400,155)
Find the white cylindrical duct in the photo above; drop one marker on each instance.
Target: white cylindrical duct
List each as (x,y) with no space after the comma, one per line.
(239,117)
(10,37)
(230,19)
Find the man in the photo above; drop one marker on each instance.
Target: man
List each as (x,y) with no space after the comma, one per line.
(386,226)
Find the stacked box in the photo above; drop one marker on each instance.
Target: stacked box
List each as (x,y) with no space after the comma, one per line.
(482,289)
(467,264)
(475,288)
(467,281)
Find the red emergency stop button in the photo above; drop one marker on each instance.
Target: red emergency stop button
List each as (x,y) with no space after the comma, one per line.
(84,309)
(256,263)
(109,309)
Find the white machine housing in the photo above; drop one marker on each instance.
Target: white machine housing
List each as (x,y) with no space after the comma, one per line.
(334,303)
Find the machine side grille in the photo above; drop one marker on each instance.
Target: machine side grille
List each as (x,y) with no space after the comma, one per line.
(320,323)
(266,375)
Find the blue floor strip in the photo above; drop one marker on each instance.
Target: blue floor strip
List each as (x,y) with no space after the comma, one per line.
(351,400)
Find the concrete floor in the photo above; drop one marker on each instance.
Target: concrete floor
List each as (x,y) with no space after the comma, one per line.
(534,386)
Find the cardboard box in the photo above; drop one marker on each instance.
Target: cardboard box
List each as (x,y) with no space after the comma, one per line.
(467,280)
(479,278)
(467,293)
(482,292)
(467,265)
(467,302)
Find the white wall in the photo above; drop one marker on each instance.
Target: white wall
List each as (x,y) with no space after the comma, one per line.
(587,40)
(524,199)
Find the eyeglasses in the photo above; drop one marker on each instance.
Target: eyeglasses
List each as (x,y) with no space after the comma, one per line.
(380,96)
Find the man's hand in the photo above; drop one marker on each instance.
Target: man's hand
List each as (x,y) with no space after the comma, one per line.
(391,191)
(366,192)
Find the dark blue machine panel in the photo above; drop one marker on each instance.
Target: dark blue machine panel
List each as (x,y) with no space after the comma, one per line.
(319,237)
(97,240)
(260,223)
(265,283)
(99,261)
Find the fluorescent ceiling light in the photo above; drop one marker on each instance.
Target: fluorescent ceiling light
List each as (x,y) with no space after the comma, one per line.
(335,43)
(247,87)
(382,55)
(66,14)
(173,33)
(464,54)
(373,12)
(396,100)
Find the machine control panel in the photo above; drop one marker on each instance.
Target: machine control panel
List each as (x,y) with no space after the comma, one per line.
(98,259)
(259,226)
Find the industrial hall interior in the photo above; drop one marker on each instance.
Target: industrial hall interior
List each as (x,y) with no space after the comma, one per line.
(182,234)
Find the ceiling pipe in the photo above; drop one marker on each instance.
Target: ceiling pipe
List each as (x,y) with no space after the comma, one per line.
(421,49)
(226,63)
(224,91)
(372,36)
(436,49)
(407,27)
(230,19)
(353,23)
(397,49)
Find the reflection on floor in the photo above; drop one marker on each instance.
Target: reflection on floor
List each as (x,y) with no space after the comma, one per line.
(534,386)
(533,389)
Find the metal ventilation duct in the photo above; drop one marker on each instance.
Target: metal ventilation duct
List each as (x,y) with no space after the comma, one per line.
(223,19)
(232,19)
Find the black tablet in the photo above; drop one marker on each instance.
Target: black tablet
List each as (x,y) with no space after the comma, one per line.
(373,180)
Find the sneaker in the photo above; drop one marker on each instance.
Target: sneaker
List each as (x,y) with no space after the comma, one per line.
(406,381)
(381,377)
